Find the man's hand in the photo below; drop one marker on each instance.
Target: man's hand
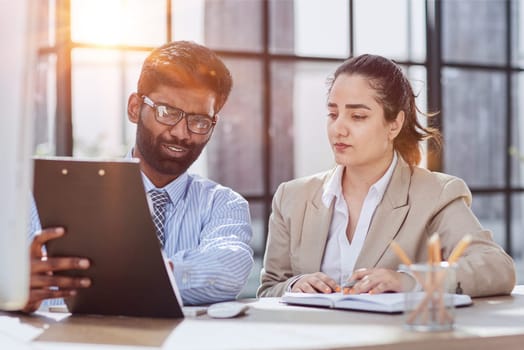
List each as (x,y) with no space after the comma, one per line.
(42,268)
(317,282)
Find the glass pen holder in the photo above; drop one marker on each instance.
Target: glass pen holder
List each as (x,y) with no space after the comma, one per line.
(432,308)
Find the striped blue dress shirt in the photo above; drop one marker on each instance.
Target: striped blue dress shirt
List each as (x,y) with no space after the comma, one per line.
(207,236)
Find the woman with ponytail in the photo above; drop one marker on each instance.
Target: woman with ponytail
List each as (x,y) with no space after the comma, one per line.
(337,226)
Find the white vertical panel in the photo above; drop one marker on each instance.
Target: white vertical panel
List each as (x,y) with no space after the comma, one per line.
(15,135)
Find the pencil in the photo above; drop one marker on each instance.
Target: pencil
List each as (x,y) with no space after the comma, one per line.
(430,253)
(400,253)
(434,248)
(459,249)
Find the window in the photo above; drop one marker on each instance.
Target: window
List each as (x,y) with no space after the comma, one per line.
(480,66)
(280,52)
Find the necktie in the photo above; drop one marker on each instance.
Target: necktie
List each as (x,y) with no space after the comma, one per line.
(159,199)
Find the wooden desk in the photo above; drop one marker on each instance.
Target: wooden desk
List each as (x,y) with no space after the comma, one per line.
(495,322)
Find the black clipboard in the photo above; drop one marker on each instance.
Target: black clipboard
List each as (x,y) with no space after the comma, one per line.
(104,209)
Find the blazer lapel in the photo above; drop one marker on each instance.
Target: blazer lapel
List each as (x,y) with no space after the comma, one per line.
(388,217)
(315,229)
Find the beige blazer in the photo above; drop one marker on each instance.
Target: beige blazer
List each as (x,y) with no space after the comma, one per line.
(415,205)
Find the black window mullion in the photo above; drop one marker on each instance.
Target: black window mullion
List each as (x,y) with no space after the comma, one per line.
(434,71)
(169,22)
(64,119)
(266,124)
(509,121)
(351,28)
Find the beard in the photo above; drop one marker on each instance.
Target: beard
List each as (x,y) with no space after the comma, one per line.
(153,154)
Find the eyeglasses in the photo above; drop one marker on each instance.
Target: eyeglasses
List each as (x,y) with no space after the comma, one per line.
(196,123)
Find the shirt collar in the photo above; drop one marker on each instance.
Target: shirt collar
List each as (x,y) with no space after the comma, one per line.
(333,187)
(175,189)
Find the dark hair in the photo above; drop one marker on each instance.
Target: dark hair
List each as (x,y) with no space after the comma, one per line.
(395,94)
(186,64)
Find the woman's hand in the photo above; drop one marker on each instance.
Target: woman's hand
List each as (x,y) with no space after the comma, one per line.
(317,282)
(43,283)
(381,280)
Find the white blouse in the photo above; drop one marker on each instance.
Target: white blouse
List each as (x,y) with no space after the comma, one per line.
(340,255)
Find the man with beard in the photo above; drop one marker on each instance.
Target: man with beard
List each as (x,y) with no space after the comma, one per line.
(205,228)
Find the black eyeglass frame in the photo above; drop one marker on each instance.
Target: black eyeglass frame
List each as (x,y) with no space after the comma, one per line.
(176,115)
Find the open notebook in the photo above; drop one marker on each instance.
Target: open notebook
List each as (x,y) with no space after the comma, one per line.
(385,302)
(103,207)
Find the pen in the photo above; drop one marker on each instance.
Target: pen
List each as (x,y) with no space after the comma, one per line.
(459,249)
(400,253)
(349,284)
(346,287)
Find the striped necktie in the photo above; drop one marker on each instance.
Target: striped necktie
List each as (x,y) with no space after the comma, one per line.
(159,199)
